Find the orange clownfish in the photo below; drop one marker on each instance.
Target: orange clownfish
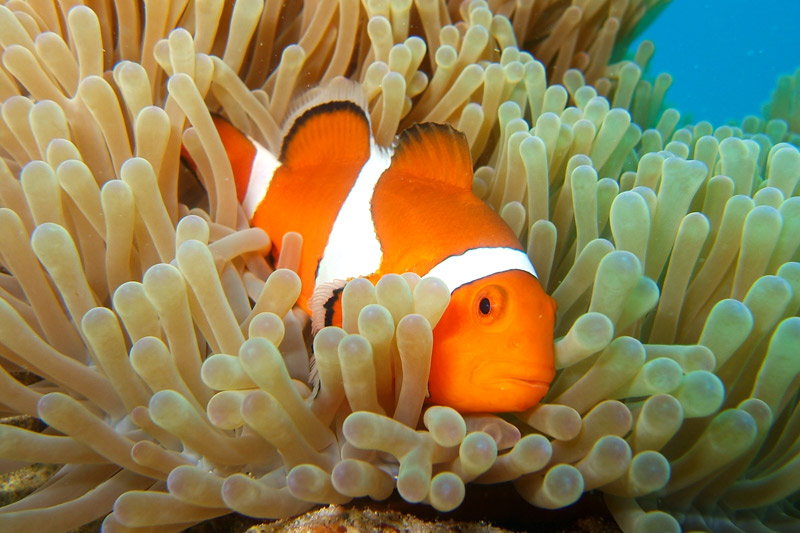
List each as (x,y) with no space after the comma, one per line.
(365,210)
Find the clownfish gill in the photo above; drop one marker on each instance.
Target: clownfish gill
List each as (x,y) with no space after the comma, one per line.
(365,210)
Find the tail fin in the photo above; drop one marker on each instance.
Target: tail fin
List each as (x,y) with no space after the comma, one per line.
(327,125)
(241,151)
(339,89)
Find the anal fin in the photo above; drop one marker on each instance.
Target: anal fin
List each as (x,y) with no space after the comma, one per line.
(324,302)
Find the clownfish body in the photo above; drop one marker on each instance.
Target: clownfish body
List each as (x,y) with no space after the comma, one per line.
(364,210)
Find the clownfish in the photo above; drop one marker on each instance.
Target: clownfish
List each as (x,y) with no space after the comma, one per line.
(365,210)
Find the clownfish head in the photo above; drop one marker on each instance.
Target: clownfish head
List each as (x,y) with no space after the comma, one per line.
(493,346)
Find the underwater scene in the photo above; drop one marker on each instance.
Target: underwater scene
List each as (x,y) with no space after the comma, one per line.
(725,62)
(523,261)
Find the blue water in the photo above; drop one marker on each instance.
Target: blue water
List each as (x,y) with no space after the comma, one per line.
(724,56)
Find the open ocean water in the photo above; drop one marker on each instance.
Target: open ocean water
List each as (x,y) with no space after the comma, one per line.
(724,56)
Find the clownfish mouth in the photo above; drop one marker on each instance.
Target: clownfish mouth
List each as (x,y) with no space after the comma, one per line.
(521,381)
(511,393)
(495,375)
(511,385)
(506,393)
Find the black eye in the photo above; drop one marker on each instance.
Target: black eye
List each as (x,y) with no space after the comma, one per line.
(485,306)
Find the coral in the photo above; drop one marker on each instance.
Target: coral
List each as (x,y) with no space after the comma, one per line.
(173,374)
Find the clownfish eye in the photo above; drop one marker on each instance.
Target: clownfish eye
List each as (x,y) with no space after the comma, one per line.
(489,304)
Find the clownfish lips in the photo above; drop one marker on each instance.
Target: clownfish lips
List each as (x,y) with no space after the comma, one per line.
(518,385)
(494,374)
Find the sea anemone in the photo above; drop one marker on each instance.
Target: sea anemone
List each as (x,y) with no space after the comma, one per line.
(163,353)
(781,114)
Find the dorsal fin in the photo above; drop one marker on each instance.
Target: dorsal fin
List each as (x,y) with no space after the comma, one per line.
(436,153)
(241,153)
(330,133)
